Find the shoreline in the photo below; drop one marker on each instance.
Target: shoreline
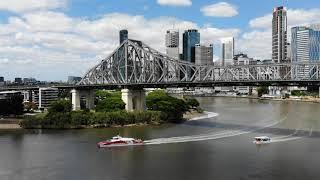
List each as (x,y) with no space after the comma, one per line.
(13,124)
(316,100)
(9,123)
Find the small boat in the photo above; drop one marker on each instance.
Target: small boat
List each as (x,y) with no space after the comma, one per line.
(262,140)
(119,141)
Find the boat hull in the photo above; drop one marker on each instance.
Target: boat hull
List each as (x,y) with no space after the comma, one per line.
(118,145)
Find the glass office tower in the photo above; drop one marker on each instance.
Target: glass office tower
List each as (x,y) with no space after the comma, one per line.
(191,37)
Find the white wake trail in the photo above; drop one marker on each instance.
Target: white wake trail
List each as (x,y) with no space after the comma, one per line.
(209,136)
(288,138)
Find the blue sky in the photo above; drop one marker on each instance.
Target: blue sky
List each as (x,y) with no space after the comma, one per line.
(51,39)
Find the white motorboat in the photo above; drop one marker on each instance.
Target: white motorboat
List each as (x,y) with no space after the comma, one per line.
(262,140)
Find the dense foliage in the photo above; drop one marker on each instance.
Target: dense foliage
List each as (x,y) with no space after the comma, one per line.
(109,101)
(60,106)
(172,107)
(192,103)
(80,119)
(262,90)
(298,93)
(12,105)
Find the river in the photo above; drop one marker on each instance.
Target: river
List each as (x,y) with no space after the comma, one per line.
(219,147)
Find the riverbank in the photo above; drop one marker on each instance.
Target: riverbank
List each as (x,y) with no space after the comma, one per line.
(10,123)
(294,98)
(14,123)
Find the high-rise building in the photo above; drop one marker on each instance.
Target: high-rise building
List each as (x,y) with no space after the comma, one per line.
(172,44)
(1,79)
(300,38)
(123,34)
(227,47)
(191,37)
(315,43)
(279,35)
(289,54)
(203,55)
(305,43)
(305,46)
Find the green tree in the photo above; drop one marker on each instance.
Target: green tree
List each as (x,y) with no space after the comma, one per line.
(174,108)
(110,104)
(109,101)
(192,103)
(60,106)
(262,90)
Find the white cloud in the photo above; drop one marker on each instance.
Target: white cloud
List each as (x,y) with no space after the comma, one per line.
(45,42)
(20,6)
(175,2)
(295,17)
(256,43)
(4,61)
(221,9)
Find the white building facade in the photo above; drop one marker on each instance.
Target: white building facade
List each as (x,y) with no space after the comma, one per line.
(172,43)
(227,45)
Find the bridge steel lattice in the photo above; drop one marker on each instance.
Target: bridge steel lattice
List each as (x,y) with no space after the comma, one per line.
(135,63)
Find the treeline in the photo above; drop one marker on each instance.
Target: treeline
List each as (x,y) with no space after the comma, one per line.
(110,112)
(82,119)
(11,105)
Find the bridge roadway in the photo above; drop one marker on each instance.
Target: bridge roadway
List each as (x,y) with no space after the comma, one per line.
(300,83)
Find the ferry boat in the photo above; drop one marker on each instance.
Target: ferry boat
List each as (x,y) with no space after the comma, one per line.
(119,141)
(262,140)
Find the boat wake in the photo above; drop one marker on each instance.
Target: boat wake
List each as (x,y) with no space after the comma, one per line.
(290,137)
(213,135)
(205,116)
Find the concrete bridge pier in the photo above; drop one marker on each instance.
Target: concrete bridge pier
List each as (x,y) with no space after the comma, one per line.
(75,99)
(87,95)
(134,99)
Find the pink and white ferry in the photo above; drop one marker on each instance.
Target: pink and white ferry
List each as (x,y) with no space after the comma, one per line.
(119,141)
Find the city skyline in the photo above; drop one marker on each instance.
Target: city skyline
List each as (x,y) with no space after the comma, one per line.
(57,38)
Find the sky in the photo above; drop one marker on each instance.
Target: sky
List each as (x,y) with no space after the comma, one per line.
(53,39)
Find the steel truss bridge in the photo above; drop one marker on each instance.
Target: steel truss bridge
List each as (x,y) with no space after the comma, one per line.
(134,64)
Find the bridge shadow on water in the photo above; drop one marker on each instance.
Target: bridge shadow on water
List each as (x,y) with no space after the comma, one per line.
(256,129)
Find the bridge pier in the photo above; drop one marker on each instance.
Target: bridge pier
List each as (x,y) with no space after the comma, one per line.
(75,99)
(88,95)
(134,99)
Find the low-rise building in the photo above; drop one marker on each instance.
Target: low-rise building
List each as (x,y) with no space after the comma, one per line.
(45,97)
(8,94)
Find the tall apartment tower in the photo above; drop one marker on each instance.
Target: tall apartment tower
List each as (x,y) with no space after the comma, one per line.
(191,37)
(279,35)
(227,47)
(172,43)
(123,34)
